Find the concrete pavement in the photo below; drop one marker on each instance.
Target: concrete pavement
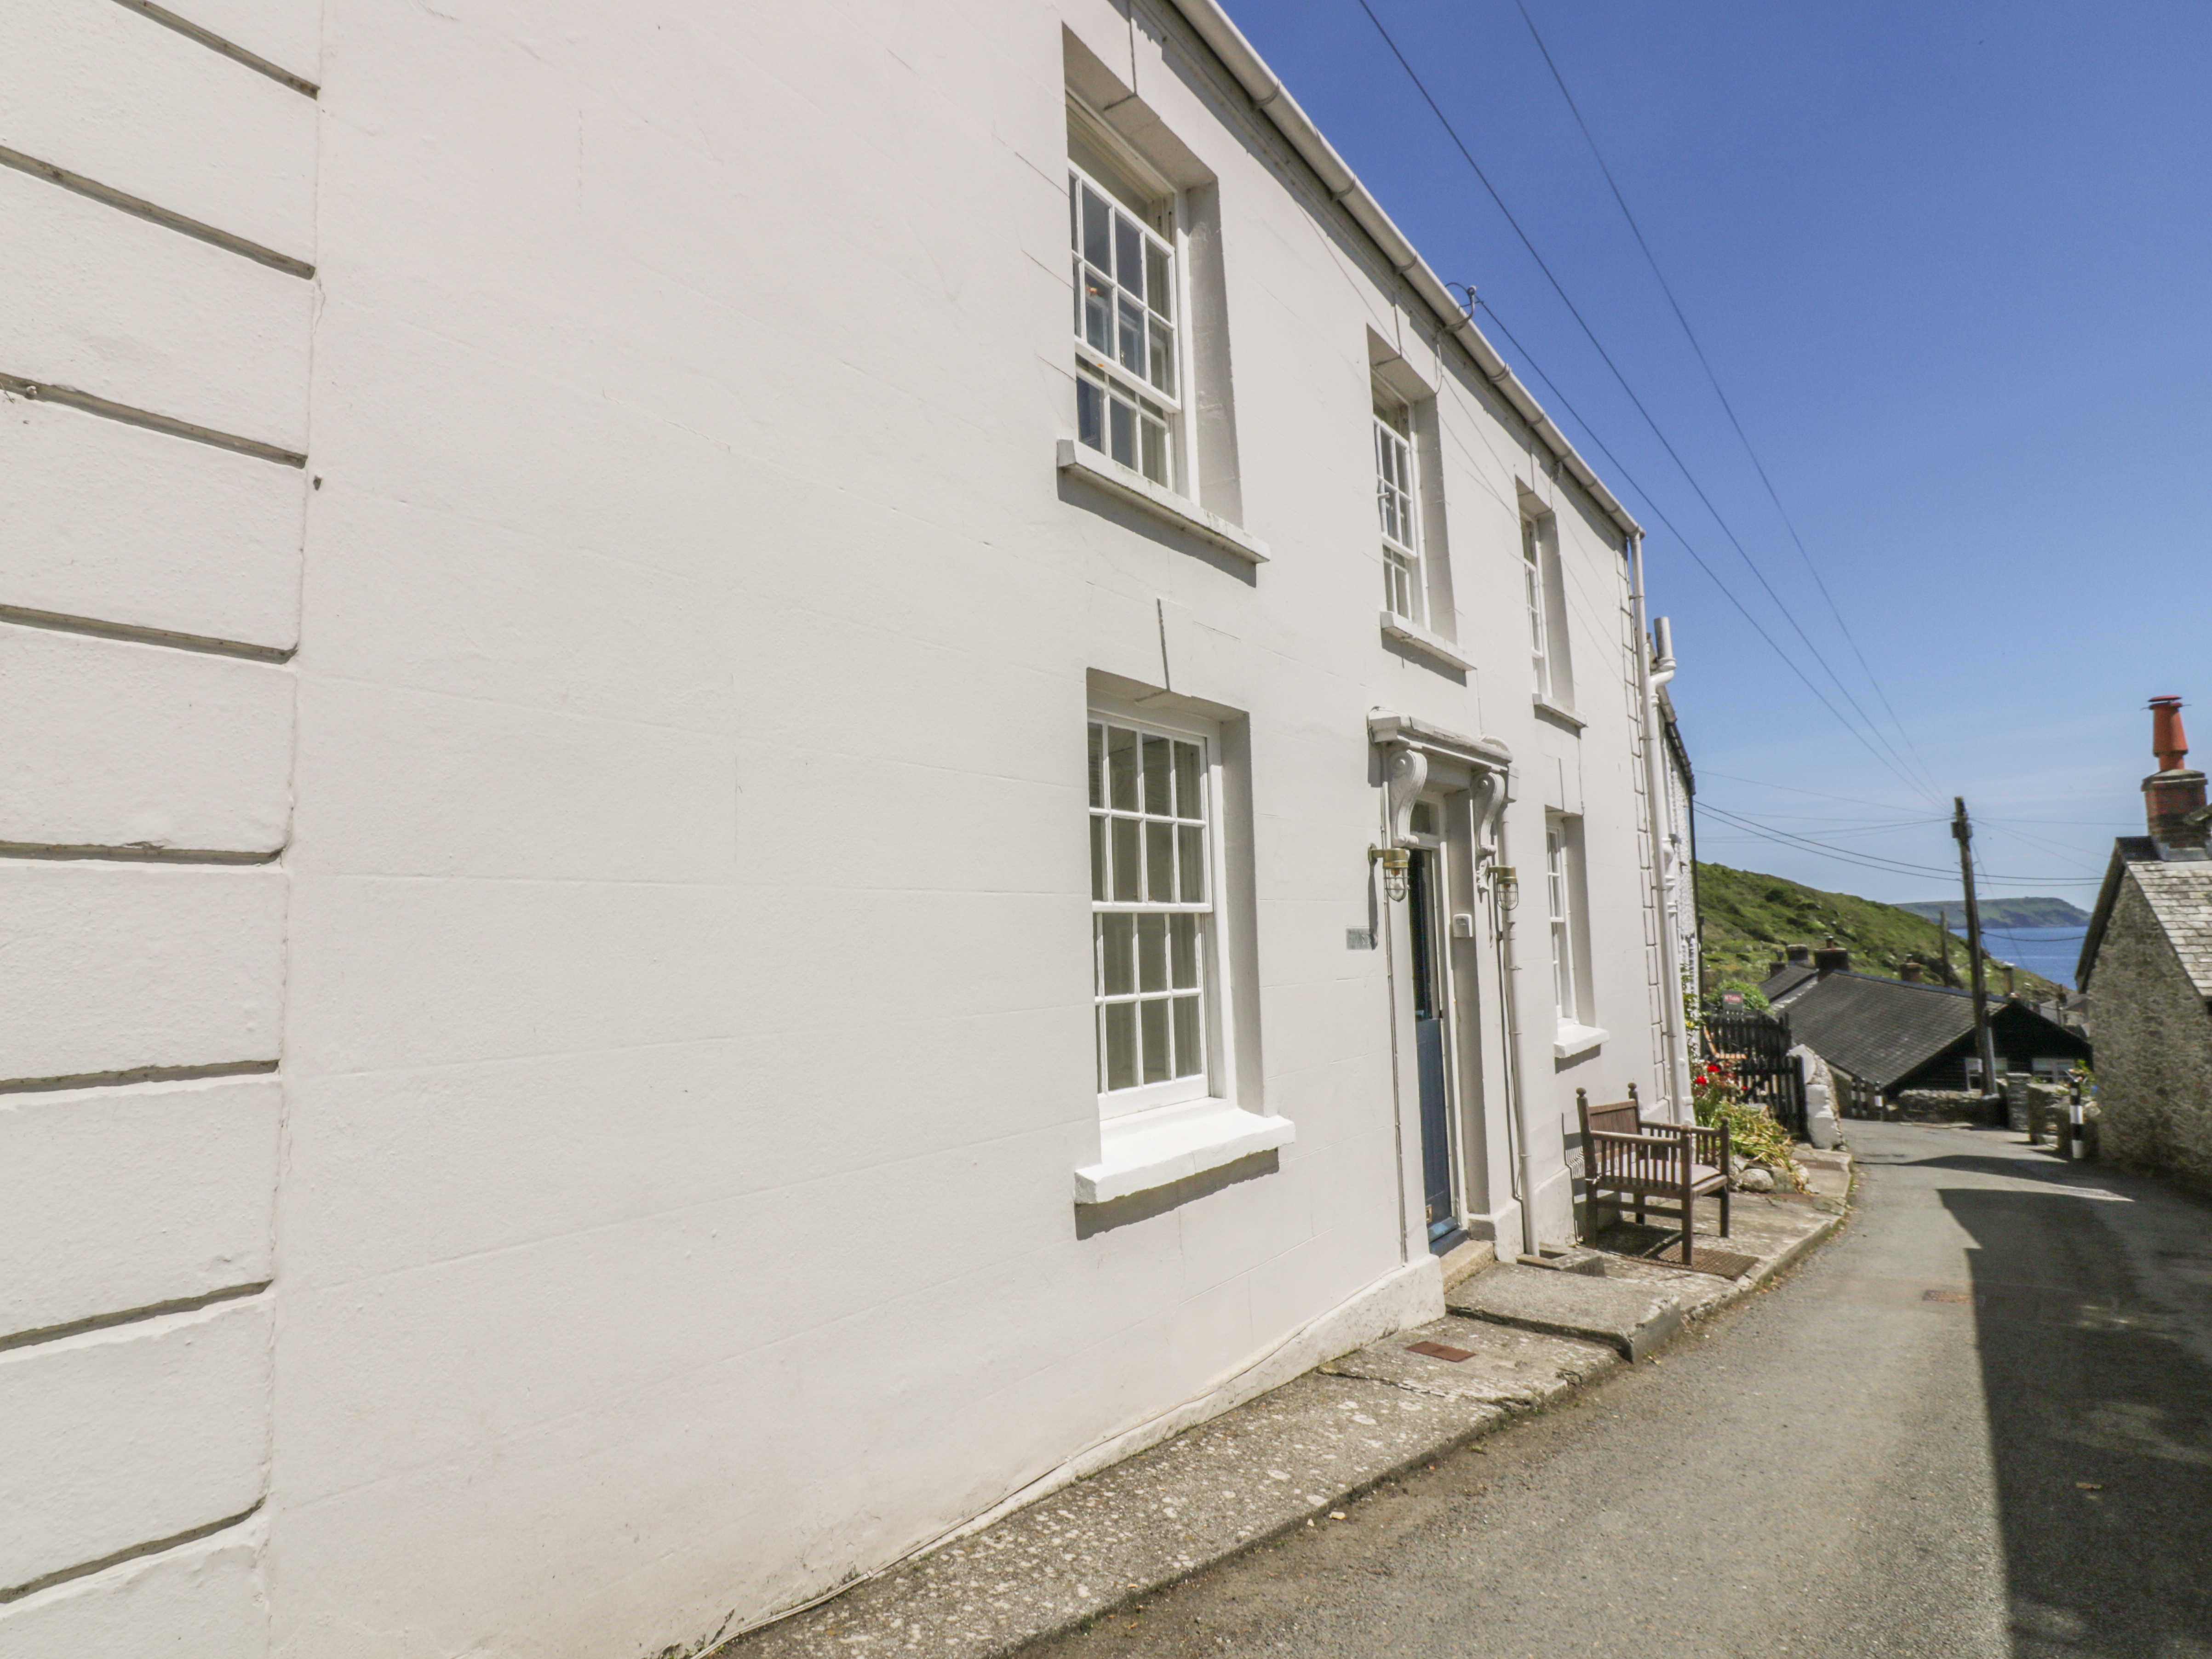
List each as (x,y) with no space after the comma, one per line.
(1979,1423)
(1287,1459)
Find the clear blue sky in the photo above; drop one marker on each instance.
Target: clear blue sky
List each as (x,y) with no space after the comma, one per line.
(1950,263)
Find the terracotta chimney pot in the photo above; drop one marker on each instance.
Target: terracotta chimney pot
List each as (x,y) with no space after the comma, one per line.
(2169,743)
(2173,796)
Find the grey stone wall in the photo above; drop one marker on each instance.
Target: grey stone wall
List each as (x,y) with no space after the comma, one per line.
(1939,1106)
(2154,1042)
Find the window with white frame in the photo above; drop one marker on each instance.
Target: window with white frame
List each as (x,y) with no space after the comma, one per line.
(1394,505)
(1128,363)
(1152,913)
(1539,632)
(1559,887)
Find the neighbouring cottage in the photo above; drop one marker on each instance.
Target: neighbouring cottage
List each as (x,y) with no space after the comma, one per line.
(1896,1035)
(769,772)
(2148,955)
(1791,975)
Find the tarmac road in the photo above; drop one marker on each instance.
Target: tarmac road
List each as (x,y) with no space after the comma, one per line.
(1977,1423)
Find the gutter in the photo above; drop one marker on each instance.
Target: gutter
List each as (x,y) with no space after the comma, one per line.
(1273,99)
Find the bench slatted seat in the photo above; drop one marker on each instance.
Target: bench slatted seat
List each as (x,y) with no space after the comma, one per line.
(1640,1162)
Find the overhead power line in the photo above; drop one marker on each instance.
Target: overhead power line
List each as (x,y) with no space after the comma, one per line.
(1691,548)
(2072,855)
(1766,783)
(1879,861)
(1790,838)
(1713,379)
(1467,155)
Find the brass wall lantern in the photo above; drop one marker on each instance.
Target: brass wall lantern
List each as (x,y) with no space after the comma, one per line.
(1397,863)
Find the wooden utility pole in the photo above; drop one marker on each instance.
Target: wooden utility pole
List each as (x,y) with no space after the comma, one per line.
(1963,831)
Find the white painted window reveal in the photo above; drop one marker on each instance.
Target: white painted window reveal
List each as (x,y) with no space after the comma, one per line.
(1559,890)
(1567,899)
(1539,640)
(1152,914)
(1394,506)
(1128,401)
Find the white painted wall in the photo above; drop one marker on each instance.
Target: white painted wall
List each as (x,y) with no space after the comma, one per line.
(126,1198)
(675,939)
(150,570)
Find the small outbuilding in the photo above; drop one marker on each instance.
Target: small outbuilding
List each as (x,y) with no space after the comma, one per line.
(2149,951)
(1896,1035)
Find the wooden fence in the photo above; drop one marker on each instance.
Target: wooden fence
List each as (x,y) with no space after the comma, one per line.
(1758,1045)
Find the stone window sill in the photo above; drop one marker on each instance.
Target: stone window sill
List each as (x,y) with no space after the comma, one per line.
(1170,1143)
(1432,646)
(1564,716)
(1574,1039)
(1135,487)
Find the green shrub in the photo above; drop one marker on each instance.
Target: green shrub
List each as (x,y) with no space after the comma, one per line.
(1754,1136)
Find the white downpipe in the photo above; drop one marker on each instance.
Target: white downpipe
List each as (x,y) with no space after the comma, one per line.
(1492,808)
(1516,1086)
(1397,1082)
(1674,1024)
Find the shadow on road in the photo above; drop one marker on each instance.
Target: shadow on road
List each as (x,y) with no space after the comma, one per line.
(2051,1174)
(2100,1428)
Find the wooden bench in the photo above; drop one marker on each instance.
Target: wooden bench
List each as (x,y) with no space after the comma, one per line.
(1638,1162)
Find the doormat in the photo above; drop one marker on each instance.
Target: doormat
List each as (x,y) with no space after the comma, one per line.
(1721,1264)
(1663,1247)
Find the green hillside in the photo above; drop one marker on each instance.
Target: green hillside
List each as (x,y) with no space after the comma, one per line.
(1748,918)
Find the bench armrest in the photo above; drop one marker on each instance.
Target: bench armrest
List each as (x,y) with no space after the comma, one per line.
(1712,1146)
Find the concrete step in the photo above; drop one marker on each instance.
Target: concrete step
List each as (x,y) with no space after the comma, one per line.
(1631,1317)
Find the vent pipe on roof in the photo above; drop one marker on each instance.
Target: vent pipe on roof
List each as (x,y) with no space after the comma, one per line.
(2173,796)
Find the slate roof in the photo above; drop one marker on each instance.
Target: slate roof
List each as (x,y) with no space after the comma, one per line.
(1879,1029)
(1774,987)
(2179,893)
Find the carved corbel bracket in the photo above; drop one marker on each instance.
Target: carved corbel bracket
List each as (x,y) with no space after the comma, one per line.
(1405,774)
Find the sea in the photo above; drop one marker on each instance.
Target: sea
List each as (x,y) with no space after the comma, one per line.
(2053,952)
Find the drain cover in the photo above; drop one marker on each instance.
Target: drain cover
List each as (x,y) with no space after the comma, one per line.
(1440,1351)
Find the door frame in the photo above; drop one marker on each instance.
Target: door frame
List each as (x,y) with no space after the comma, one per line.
(1454,777)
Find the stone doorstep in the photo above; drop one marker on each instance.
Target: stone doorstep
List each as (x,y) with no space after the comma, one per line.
(1467,1260)
(1640,1303)
(1631,1317)
(1287,1459)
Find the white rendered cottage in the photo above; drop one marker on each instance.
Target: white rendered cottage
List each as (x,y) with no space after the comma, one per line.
(764,773)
